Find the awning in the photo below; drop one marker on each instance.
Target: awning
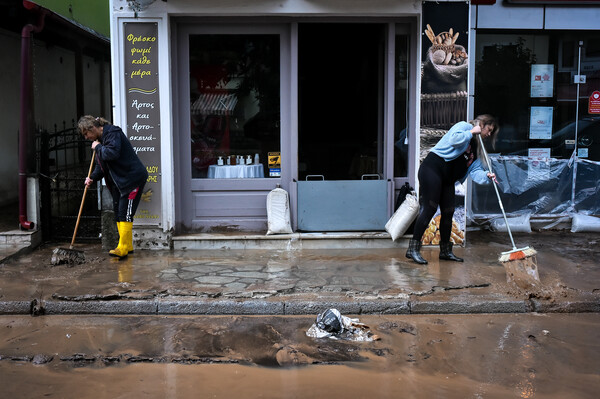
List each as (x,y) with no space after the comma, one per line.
(214,104)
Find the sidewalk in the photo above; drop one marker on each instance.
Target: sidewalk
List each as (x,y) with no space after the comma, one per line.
(306,281)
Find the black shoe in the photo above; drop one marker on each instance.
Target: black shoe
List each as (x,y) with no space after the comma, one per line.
(414,246)
(446,252)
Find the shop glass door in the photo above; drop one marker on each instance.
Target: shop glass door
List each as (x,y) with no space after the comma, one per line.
(341,180)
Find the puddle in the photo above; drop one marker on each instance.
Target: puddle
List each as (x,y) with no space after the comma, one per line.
(459,356)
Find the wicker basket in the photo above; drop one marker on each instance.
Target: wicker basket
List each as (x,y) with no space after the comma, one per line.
(448,48)
(442,46)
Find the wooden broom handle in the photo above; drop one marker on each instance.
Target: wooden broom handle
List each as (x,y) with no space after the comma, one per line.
(82,201)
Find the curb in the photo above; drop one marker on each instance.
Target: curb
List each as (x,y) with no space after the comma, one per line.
(291,307)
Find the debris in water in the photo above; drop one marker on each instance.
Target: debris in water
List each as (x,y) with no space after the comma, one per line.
(42,359)
(332,324)
(70,257)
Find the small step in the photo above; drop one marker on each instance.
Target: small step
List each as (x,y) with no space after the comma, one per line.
(19,238)
(14,241)
(325,240)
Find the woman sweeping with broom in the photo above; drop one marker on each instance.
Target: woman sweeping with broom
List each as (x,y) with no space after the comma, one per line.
(456,156)
(124,173)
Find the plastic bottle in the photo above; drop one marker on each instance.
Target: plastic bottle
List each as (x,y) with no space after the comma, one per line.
(256,159)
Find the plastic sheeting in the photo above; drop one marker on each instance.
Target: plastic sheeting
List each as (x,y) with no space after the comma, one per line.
(541,187)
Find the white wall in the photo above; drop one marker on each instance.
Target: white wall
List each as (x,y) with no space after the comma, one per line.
(363,8)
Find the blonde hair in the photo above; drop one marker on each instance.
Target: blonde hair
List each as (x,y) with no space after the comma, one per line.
(484,120)
(87,122)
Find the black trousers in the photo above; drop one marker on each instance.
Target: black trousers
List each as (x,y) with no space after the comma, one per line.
(436,188)
(125,204)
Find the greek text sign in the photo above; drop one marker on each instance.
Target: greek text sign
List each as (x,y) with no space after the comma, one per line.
(143,112)
(594,103)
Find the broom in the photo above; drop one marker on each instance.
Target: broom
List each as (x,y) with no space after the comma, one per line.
(69,255)
(515,253)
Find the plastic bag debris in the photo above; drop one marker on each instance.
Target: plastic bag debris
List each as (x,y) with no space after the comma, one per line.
(542,187)
(518,224)
(332,324)
(583,223)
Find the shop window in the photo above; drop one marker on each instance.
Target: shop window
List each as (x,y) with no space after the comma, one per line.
(234,105)
(505,86)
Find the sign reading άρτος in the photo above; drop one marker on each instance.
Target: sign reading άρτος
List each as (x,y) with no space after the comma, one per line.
(143,111)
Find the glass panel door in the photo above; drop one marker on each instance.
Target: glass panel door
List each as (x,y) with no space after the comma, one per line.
(340,71)
(342,184)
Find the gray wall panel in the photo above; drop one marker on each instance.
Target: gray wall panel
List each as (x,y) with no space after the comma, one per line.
(577,18)
(498,16)
(230,203)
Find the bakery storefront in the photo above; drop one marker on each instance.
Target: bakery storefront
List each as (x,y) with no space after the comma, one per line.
(319,98)
(537,68)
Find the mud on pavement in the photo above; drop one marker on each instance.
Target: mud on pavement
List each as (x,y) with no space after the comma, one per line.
(289,282)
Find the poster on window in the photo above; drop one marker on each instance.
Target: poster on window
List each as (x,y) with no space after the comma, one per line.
(143,112)
(542,80)
(540,123)
(444,67)
(538,164)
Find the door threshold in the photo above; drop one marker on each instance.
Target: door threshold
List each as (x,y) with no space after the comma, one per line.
(299,240)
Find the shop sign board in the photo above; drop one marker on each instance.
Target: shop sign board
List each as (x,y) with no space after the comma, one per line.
(140,46)
(594,103)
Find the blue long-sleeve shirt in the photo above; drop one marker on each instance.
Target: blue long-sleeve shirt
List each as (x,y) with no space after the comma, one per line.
(453,144)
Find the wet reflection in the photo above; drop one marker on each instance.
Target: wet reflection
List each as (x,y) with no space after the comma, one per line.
(125,270)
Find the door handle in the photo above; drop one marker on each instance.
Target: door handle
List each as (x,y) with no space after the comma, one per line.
(370,175)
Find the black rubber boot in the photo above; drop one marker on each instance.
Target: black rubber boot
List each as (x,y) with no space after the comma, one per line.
(414,246)
(446,252)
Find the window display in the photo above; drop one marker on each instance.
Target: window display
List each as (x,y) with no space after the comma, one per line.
(234,104)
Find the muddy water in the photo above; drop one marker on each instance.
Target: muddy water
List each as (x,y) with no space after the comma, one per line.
(565,271)
(425,356)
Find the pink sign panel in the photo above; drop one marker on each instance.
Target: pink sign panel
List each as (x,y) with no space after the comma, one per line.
(594,103)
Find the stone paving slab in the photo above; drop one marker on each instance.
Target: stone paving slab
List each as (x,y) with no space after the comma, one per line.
(305,281)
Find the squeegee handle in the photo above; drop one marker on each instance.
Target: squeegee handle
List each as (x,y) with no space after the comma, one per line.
(487,160)
(82,202)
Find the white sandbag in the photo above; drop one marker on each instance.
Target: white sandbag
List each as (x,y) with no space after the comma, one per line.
(278,212)
(519,224)
(403,217)
(585,223)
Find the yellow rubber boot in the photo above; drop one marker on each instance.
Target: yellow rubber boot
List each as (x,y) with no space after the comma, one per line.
(127,230)
(121,250)
(129,241)
(119,230)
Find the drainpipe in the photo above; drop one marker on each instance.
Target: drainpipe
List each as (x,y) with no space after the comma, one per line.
(26,84)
